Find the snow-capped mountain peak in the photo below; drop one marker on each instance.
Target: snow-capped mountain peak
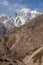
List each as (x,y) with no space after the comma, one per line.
(34,14)
(23,15)
(4,15)
(28,12)
(24,10)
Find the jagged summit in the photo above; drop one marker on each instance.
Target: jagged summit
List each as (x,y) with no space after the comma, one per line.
(30,13)
(23,15)
(3,17)
(25,10)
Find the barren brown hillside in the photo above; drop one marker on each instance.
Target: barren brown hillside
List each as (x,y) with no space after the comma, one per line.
(24,42)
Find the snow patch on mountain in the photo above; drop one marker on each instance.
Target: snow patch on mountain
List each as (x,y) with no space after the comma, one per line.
(9,24)
(4,15)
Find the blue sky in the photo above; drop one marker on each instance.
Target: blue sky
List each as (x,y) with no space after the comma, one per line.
(10,6)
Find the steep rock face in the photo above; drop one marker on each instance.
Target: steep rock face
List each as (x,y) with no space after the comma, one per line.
(9,24)
(3,47)
(2,29)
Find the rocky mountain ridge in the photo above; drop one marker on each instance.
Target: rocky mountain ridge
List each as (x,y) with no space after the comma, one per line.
(24,45)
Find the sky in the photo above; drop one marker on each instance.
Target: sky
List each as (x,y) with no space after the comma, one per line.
(9,7)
